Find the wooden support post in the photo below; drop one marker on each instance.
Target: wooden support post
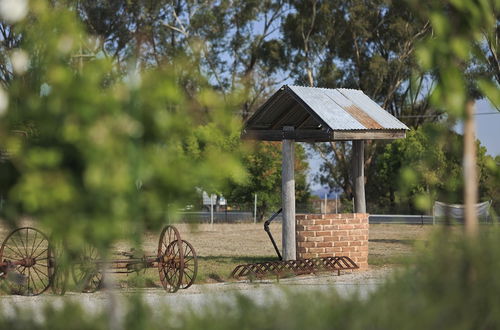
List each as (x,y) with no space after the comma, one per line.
(358,178)
(288,198)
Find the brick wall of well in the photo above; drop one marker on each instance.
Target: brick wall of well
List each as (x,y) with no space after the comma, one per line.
(327,235)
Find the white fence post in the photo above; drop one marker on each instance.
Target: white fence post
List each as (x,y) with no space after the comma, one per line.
(211,209)
(326,201)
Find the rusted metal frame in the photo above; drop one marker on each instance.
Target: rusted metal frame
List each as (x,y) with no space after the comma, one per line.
(131,260)
(8,263)
(297,267)
(125,266)
(268,231)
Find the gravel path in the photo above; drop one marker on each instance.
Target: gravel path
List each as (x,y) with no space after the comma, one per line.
(198,296)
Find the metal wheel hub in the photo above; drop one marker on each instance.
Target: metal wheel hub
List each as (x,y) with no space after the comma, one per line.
(29,262)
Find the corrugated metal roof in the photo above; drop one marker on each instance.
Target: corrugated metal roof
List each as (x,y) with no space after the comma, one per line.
(332,113)
(329,110)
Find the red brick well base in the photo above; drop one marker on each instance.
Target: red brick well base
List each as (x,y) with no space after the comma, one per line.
(327,235)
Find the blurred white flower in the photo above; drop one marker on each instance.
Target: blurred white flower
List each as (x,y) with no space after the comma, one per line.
(20,61)
(4,102)
(13,10)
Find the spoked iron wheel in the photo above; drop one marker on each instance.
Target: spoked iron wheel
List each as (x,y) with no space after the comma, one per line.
(170,259)
(190,265)
(30,254)
(86,270)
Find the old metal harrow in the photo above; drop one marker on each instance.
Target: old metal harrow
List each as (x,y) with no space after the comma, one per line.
(293,267)
(28,262)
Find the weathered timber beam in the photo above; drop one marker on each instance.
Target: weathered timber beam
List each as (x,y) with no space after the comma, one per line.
(368,135)
(288,196)
(279,135)
(358,175)
(320,135)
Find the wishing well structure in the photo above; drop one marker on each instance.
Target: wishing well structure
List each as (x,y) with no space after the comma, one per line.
(308,114)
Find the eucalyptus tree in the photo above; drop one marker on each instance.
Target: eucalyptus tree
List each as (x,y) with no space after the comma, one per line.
(367,45)
(234,43)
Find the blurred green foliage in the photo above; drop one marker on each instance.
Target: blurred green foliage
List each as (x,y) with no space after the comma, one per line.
(462,30)
(410,174)
(461,55)
(99,154)
(263,165)
(492,185)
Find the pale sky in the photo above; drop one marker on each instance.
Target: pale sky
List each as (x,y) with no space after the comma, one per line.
(488,127)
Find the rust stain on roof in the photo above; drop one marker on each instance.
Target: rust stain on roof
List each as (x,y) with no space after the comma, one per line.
(362,117)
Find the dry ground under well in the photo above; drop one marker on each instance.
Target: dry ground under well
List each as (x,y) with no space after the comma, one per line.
(220,247)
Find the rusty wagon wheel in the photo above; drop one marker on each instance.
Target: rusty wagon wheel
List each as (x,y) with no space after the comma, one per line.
(170,259)
(86,270)
(31,266)
(190,265)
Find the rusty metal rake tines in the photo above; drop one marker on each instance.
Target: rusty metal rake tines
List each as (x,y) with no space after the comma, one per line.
(293,267)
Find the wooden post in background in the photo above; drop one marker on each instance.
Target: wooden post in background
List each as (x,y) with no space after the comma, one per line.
(288,197)
(470,171)
(358,177)
(255,209)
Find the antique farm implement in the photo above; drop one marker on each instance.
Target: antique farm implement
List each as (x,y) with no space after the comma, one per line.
(29,263)
(283,268)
